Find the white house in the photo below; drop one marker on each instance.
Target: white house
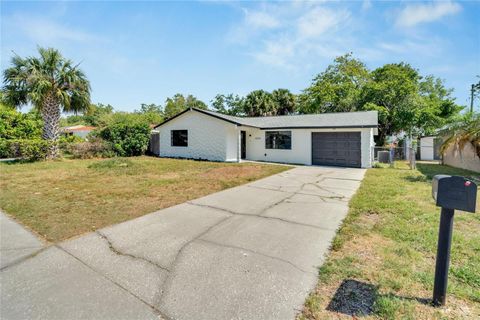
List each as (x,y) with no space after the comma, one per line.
(78,130)
(340,139)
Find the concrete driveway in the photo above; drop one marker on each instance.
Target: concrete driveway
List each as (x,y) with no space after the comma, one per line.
(250,252)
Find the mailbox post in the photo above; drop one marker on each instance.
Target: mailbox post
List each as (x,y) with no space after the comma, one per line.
(450,193)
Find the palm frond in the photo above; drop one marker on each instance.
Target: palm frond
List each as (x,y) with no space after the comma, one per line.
(465,131)
(32,79)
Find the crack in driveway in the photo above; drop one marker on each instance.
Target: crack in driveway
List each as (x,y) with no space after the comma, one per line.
(261,216)
(154,308)
(166,283)
(257,253)
(118,252)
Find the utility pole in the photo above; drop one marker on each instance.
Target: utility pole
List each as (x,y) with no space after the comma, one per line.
(472,92)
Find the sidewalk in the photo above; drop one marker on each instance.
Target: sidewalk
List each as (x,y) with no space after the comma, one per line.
(16,243)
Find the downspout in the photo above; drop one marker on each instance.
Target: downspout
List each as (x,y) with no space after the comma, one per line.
(239,144)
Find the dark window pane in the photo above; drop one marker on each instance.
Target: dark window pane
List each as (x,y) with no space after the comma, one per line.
(179,138)
(278,140)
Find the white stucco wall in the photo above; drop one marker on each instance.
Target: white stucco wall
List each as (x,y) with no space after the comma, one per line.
(467,159)
(301,152)
(208,138)
(426,148)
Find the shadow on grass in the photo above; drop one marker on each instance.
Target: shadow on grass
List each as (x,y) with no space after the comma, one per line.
(416,178)
(354,298)
(17,161)
(357,299)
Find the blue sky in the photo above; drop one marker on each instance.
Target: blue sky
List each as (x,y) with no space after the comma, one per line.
(144,52)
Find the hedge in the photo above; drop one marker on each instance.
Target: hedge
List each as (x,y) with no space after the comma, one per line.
(25,149)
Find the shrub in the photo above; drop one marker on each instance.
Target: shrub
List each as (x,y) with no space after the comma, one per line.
(66,141)
(89,149)
(127,138)
(30,150)
(17,125)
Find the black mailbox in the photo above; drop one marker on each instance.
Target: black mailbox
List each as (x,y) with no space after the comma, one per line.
(454,192)
(451,193)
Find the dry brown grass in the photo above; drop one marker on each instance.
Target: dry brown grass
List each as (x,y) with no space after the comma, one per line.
(62,199)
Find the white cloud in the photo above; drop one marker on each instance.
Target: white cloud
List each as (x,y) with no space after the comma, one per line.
(280,34)
(423,47)
(47,32)
(260,19)
(277,53)
(366,4)
(299,36)
(414,14)
(320,20)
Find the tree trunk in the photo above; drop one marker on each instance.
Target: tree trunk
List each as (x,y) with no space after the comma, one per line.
(51,120)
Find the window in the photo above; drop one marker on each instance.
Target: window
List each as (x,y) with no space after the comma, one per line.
(179,138)
(278,140)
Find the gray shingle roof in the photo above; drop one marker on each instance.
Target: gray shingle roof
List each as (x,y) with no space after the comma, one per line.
(362,119)
(327,120)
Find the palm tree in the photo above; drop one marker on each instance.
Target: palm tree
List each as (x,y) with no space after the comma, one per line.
(463,132)
(285,101)
(50,83)
(259,103)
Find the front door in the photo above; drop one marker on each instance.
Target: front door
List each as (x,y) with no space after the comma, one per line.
(243,144)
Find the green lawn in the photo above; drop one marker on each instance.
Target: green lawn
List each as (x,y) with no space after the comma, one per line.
(383,258)
(61,199)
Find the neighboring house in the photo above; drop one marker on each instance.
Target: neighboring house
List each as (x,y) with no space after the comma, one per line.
(340,139)
(430,148)
(78,130)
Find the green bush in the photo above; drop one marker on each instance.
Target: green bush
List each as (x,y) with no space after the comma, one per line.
(30,150)
(127,138)
(17,125)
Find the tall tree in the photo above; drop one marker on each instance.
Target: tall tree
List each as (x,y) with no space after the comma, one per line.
(52,84)
(179,102)
(259,103)
(406,102)
(95,112)
(393,92)
(437,107)
(152,113)
(228,104)
(285,101)
(192,102)
(338,88)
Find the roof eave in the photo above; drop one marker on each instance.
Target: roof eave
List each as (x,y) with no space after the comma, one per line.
(205,113)
(321,127)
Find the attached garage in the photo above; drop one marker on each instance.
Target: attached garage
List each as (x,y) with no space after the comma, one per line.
(337,149)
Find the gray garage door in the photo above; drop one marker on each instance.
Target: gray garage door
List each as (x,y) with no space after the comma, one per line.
(336,149)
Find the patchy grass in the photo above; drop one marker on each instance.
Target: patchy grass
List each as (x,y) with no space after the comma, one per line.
(62,199)
(388,242)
